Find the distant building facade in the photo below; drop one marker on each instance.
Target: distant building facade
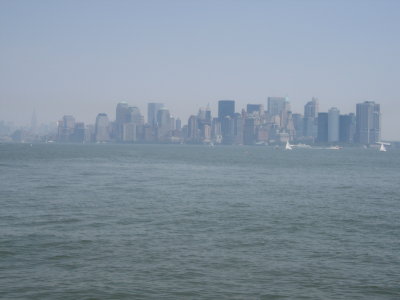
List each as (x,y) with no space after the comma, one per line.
(102,130)
(368,123)
(333,125)
(347,128)
(152,109)
(322,136)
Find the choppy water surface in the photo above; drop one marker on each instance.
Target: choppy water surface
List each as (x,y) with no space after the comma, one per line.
(192,222)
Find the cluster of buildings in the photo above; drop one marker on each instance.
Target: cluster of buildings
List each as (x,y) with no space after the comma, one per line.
(254,125)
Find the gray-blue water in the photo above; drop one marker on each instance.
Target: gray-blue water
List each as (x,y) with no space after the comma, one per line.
(192,222)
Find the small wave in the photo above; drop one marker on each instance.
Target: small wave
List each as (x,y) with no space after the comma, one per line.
(343,187)
(6,253)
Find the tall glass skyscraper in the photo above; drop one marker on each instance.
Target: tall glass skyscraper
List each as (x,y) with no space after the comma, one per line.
(226,108)
(333,125)
(226,111)
(368,123)
(102,128)
(322,136)
(276,105)
(152,109)
(311,110)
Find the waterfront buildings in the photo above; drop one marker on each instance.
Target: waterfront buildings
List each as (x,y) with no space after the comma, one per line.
(253,126)
(226,111)
(322,136)
(298,123)
(102,130)
(152,109)
(311,110)
(226,108)
(347,128)
(163,124)
(276,105)
(255,108)
(368,123)
(333,125)
(66,128)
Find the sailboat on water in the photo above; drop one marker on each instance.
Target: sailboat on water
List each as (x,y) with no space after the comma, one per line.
(382,148)
(288,146)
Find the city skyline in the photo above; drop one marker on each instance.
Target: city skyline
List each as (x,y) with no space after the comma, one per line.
(186,54)
(229,125)
(145,111)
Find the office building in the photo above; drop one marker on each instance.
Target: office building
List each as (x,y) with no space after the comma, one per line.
(208,117)
(276,105)
(298,123)
(129,132)
(152,109)
(78,136)
(249,135)
(368,123)
(66,128)
(255,108)
(226,108)
(322,136)
(163,124)
(102,133)
(311,109)
(333,125)
(193,132)
(122,115)
(347,128)
(178,124)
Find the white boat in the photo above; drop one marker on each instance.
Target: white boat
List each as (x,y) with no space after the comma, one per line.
(382,148)
(334,148)
(302,146)
(288,146)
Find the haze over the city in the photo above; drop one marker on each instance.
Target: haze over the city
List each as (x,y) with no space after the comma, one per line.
(83,57)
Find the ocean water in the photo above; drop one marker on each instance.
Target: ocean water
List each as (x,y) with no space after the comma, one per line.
(193,222)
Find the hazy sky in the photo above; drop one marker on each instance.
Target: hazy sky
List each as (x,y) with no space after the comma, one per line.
(83,57)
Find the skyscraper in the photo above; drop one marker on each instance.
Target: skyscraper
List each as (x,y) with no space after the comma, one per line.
(129,132)
(226,111)
(226,108)
(368,123)
(163,124)
(298,124)
(193,134)
(66,128)
(311,110)
(238,128)
(122,112)
(102,128)
(228,130)
(322,136)
(333,125)
(122,115)
(208,118)
(135,116)
(249,134)
(278,110)
(276,105)
(347,128)
(152,109)
(255,108)
(78,135)
(178,124)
